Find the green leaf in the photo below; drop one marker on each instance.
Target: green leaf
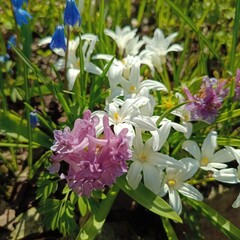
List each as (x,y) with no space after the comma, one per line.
(235,36)
(46,186)
(14,124)
(50,209)
(149,200)
(234,142)
(67,224)
(59,215)
(228,115)
(96,221)
(169,229)
(82,205)
(43,160)
(222,224)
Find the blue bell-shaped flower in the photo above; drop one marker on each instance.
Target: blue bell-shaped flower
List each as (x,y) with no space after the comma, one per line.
(71,13)
(58,38)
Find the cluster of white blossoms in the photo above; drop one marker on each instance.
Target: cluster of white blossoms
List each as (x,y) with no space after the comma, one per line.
(131,105)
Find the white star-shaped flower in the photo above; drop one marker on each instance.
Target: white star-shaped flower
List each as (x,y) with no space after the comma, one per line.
(208,159)
(174,182)
(147,164)
(73,64)
(231,175)
(159,46)
(122,37)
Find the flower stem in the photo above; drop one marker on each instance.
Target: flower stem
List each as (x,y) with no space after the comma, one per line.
(66,59)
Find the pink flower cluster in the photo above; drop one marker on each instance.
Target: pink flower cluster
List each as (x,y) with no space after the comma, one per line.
(207,101)
(93,163)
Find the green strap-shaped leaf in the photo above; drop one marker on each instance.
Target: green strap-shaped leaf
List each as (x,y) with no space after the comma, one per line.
(148,200)
(169,229)
(14,124)
(226,227)
(96,221)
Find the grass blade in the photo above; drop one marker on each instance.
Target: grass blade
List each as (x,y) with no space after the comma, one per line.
(235,36)
(226,227)
(180,13)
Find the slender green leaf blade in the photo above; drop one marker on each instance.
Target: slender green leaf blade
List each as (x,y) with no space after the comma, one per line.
(226,227)
(14,124)
(95,223)
(148,199)
(169,229)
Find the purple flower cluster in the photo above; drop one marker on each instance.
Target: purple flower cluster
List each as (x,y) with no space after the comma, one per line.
(207,101)
(93,163)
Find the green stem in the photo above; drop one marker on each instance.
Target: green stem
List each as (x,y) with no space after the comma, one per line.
(29,127)
(2,95)
(200,181)
(66,59)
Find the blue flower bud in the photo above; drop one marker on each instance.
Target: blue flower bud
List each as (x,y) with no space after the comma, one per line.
(21,16)
(71,13)
(34,119)
(18,3)
(58,38)
(11,40)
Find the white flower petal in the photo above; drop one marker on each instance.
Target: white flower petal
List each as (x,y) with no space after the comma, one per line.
(175,48)
(163,190)
(134,175)
(190,168)
(222,156)
(190,191)
(216,165)
(161,135)
(44,41)
(235,152)
(236,203)
(145,123)
(227,175)
(92,68)
(179,127)
(189,128)
(71,76)
(153,85)
(60,64)
(151,177)
(137,142)
(175,201)
(209,144)
(106,57)
(193,148)
(163,160)
(59,51)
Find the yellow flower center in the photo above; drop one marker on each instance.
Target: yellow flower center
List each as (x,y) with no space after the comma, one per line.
(171,182)
(142,157)
(204,161)
(132,89)
(116,117)
(186,117)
